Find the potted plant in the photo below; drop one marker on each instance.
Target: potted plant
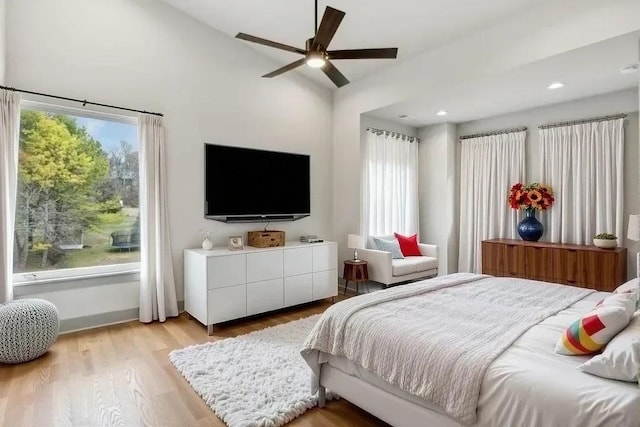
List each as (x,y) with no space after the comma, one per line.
(605,240)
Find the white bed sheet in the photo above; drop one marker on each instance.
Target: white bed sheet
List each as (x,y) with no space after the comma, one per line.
(531,385)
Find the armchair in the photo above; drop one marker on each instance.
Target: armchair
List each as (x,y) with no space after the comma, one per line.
(382,268)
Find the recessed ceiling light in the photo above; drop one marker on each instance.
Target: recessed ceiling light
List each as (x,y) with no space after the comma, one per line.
(629,69)
(404,116)
(555,85)
(441,113)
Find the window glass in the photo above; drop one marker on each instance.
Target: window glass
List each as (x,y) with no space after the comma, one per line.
(77,199)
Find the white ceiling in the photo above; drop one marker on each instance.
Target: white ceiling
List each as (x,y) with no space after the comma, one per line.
(411,25)
(588,71)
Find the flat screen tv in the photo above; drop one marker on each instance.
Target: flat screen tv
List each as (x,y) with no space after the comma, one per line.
(249,185)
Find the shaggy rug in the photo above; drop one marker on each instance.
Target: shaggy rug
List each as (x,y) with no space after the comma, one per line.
(258,379)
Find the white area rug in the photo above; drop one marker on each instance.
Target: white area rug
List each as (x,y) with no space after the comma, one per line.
(258,379)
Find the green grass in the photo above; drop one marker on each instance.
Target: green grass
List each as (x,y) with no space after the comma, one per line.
(98,235)
(96,256)
(96,250)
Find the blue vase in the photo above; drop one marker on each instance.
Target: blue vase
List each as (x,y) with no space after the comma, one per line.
(530,228)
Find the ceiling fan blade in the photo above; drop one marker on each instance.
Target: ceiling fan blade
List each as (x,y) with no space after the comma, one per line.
(389,52)
(336,76)
(286,68)
(328,27)
(269,43)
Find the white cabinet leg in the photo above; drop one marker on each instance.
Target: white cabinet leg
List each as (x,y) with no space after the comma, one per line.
(210,330)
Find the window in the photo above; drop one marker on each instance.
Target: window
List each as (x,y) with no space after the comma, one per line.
(389,184)
(77,199)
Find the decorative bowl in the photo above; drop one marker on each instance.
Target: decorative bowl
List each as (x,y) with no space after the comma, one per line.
(606,243)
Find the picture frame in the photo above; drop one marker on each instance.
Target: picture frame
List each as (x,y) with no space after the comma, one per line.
(235,243)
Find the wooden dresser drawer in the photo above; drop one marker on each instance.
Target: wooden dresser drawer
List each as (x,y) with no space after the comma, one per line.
(539,263)
(502,259)
(574,265)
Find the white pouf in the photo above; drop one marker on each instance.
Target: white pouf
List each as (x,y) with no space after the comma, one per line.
(28,327)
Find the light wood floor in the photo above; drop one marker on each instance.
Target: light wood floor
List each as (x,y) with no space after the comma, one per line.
(121,376)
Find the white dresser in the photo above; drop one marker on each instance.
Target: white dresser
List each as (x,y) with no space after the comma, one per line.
(222,285)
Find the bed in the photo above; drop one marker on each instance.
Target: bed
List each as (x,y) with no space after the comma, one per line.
(522,381)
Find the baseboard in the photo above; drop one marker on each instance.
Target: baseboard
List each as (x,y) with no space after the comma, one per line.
(103,319)
(97,320)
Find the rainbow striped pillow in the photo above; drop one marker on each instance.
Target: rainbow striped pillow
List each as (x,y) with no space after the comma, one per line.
(595,329)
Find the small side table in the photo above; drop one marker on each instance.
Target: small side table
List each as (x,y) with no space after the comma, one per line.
(355,271)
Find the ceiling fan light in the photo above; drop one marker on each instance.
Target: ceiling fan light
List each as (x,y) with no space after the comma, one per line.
(315,60)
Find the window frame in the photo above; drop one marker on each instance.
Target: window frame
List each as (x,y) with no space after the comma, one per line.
(65,275)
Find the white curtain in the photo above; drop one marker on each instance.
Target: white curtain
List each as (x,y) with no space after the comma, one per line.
(9,146)
(157,287)
(489,166)
(389,184)
(584,164)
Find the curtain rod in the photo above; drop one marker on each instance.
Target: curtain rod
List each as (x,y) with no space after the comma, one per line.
(394,134)
(577,122)
(82,101)
(496,132)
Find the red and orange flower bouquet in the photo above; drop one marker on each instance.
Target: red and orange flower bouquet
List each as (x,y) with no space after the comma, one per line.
(533,196)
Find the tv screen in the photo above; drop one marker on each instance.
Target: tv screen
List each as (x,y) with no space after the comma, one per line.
(245,184)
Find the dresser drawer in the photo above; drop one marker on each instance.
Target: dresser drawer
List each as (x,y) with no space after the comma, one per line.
(575,265)
(226,304)
(264,296)
(223,271)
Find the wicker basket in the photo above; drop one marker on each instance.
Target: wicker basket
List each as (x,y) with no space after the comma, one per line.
(266,239)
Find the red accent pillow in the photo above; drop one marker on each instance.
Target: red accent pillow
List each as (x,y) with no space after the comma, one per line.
(408,245)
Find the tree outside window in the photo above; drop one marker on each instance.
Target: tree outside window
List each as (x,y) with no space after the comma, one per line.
(77,199)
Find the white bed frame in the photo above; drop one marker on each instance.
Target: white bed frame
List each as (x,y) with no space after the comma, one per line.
(388,407)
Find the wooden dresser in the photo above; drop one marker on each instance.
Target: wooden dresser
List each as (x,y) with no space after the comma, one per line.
(575,265)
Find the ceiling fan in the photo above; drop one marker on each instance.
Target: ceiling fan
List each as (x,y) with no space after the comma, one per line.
(316,54)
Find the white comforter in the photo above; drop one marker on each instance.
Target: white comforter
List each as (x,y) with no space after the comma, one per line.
(452,327)
(531,385)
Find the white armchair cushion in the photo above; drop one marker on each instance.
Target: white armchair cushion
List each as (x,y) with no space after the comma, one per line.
(425,263)
(401,267)
(413,264)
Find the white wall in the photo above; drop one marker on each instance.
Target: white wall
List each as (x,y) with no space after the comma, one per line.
(145,54)
(550,29)
(438,194)
(94,300)
(616,102)
(3,38)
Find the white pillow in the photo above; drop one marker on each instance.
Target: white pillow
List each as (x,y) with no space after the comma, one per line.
(626,300)
(620,360)
(632,285)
